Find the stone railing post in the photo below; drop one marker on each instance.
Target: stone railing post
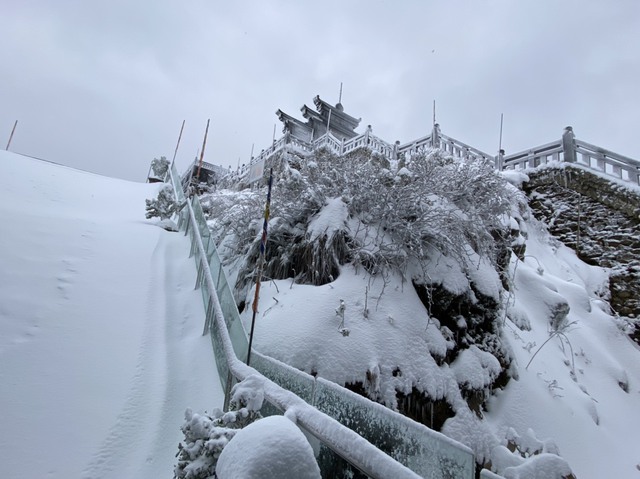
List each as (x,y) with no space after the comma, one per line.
(394,154)
(569,145)
(366,135)
(500,160)
(435,136)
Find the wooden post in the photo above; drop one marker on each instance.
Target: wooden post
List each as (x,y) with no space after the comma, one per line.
(569,145)
(11,136)
(204,143)
(177,144)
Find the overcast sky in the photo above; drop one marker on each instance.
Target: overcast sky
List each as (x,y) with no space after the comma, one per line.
(105,85)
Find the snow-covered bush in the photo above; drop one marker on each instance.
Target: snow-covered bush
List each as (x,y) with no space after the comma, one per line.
(206,436)
(164,206)
(160,166)
(329,210)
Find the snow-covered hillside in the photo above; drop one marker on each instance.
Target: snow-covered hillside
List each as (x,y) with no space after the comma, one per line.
(572,376)
(100,329)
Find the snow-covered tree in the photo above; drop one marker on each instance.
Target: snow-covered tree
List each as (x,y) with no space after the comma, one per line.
(160,166)
(206,436)
(164,206)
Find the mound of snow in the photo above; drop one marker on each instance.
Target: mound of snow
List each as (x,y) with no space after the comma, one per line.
(272,447)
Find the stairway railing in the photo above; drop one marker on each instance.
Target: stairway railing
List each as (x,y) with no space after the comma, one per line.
(378,442)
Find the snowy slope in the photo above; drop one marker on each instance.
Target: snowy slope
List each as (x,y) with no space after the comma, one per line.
(578,398)
(100,345)
(593,421)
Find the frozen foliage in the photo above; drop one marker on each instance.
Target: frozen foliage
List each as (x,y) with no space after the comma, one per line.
(203,442)
(272,448)
(164,206)
(328,210)
(245,403)
(206,436)
(160,166)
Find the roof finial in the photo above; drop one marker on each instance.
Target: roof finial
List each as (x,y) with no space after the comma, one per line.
(340,96)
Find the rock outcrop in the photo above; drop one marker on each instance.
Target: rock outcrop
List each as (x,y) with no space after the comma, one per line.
(600,220)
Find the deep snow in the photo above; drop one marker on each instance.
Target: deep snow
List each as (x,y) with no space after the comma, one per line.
(272,447)
(101,353)
(100,328)
(571,396)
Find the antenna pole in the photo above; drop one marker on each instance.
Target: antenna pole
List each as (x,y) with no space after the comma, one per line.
(273,142)
(11,136)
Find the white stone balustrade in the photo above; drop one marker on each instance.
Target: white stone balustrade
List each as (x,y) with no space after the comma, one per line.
(567,149)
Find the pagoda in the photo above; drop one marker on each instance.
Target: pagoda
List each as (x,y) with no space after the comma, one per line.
(325,117)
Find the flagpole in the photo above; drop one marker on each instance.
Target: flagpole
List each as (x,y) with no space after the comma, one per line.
(261,259)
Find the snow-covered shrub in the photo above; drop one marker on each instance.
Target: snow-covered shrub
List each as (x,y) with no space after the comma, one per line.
(164,206)
(206,436)
(160,166)
(328,210)
(527,457)
(203,442)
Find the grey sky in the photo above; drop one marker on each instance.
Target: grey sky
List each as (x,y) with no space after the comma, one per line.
(104,86)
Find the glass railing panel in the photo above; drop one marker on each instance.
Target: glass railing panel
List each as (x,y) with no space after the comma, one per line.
(426,452)
(176,184)
(227,303)
(218,352)
(332,466)
(216,269)
(296,381)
